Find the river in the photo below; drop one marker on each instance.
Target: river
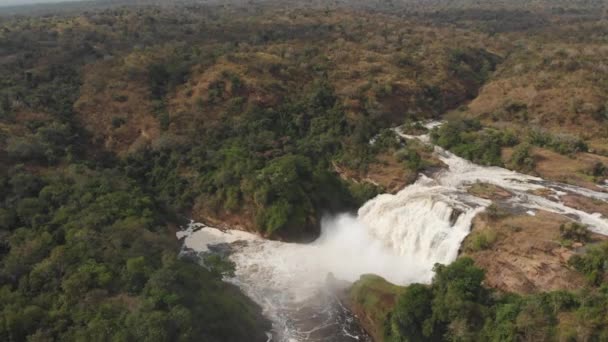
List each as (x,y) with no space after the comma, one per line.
(399,237)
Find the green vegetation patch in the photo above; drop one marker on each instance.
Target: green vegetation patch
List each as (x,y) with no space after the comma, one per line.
(468,139)
(376,297)
(85,254)
(480,240)
(593,264)
(567,144)
(456,307)
(274,162)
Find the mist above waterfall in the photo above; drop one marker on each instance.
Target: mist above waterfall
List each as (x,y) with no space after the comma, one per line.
(397,236)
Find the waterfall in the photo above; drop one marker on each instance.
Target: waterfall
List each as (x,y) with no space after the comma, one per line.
(399,237)
(424,223)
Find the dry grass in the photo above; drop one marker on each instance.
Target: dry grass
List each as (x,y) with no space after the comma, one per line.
(489,191)
(108,93)
(526,256)
(551,165)
(375,62)
(386,172)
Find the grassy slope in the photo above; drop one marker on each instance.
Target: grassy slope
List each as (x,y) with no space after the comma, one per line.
(372,298)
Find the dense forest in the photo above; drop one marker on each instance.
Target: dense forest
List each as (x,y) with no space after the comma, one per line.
(119,121)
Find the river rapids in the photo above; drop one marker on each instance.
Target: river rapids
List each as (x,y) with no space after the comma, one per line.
(399,237)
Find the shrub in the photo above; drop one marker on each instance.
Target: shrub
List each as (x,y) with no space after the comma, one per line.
(120,97)
(574,231)
(362,192)
(236,84)
(598,171)
(481,240)
(561,143)
(467,139)
(410,157)
(413,128)
(118,121)
(568,144)
(158,80)
(494,212)
(385,140)
(164,120)
(593,264)
(522,159)
(601,114)
(274,217)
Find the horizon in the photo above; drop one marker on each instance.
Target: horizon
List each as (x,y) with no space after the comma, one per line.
(7,3)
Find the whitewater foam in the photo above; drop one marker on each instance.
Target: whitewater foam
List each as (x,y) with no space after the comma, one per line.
(397,236)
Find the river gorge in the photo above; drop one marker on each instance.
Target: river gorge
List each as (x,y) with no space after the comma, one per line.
(398,236)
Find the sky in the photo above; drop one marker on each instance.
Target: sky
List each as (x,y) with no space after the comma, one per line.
(28,2)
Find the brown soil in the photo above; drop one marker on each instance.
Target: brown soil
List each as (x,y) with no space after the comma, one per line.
(551,165)
(243,220)
(387,173)
(526,256)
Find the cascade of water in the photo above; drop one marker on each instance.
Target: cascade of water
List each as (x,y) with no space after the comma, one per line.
(424,223)
(399,237)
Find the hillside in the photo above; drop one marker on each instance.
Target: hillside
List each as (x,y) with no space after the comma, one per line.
(122,120)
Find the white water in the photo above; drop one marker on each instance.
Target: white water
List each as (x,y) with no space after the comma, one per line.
(399,237)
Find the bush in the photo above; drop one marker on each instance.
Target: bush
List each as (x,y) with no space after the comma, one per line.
(601,114)
(385,140)
(413,128)
(118,121)
(481,240)
(598,171)
(494,212)
(522,159)
(120,97)
(574,231)
(362,192)
(593,264)
(566,144)
(219,265)
(164,120)
(410,158)
(469,140)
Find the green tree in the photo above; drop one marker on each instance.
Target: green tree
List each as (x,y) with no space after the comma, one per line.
(411,318)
